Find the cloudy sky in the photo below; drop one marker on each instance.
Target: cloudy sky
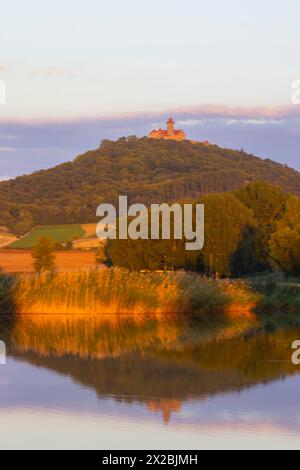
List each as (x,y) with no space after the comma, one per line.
(78,72)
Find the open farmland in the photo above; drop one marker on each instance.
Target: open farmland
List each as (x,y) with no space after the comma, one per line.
(6,239)
(89,230)
(19,261)
(59,233)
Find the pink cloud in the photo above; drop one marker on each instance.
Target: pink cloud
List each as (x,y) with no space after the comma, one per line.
(190,114)
(245,112)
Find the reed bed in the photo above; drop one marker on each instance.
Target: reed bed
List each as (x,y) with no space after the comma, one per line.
(109,312)
(119,292)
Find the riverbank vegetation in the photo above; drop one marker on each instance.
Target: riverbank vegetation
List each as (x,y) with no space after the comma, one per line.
(120,292)
(110,312)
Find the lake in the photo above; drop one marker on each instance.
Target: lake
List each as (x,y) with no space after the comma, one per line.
(145,383)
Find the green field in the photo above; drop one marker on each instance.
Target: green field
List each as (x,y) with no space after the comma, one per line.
(59,233)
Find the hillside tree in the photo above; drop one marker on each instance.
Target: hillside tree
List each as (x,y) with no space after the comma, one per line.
(43,255)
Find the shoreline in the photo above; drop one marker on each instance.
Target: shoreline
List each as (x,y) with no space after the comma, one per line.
(236,307)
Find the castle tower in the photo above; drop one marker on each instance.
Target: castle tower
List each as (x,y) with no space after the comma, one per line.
(170,134)
(170,127)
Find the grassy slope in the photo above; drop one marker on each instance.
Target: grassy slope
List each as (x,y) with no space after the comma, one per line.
(59,233)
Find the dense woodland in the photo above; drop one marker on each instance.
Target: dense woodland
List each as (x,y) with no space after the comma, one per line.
(253,229)
(146,170)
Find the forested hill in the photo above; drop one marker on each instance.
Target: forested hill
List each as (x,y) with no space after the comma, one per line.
(146,170)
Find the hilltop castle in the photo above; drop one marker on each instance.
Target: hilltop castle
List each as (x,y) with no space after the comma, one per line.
(169,134)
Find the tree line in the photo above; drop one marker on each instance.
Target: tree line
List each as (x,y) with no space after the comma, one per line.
(253,229)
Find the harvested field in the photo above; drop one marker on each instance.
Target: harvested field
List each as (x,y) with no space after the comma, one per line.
(89,230)
(86,243)
(6,239)
(20,261)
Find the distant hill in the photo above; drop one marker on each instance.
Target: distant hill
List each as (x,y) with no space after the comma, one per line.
(144,169)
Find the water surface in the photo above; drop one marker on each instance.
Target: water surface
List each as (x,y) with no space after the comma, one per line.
(90,383)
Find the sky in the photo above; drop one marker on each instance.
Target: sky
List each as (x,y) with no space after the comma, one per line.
(78,72)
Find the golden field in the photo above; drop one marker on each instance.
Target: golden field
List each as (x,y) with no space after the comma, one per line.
(20,261)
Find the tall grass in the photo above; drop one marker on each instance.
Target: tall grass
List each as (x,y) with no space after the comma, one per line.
(116,291)
(7,290)
(108,312)
(279,302)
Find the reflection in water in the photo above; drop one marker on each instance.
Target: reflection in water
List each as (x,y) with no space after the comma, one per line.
(166,407)
(160,362)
